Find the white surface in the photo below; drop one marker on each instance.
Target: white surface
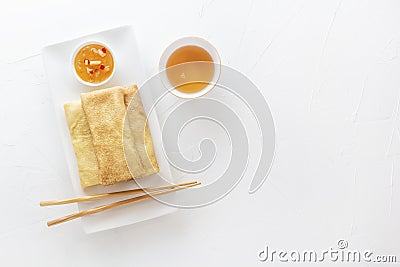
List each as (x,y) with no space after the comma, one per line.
(330,72)
(65,87)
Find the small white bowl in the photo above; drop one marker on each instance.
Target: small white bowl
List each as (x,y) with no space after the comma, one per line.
(187,41)
(73,65)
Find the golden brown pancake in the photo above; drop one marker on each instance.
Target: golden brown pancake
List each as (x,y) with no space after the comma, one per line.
(96,128)
(138,144)
(105,111)
(82,143)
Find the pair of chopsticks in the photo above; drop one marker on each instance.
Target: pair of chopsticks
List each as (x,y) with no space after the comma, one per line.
(159,190)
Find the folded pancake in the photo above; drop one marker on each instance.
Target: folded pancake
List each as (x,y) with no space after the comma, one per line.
(83,145)
(105,113)
(138,144)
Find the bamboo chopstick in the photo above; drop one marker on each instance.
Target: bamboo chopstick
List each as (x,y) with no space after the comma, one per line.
(110,195)
(115,204)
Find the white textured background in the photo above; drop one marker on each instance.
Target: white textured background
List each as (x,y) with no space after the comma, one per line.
(330,71)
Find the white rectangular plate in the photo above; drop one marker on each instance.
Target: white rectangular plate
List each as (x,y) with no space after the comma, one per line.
(65,87)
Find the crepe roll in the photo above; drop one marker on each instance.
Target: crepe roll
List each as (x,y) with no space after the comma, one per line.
(105,112)
(82,142)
